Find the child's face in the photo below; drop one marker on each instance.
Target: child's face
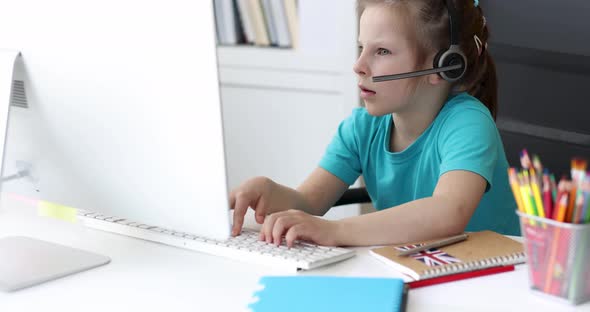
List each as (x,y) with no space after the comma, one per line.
(385,49)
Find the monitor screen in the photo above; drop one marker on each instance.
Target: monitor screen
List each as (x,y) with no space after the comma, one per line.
(122,113)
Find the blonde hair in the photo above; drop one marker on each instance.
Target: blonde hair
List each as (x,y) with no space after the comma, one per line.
(431,30)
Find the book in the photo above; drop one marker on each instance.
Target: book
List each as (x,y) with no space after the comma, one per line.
(330,293)
(246,21)
(227,28)
(280,23)
(269,19)
(292,21)
(257,16)
(481,250)
(219,23)
(239,30)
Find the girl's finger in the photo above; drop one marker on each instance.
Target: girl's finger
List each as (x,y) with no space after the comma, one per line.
(267,226)
(241,206)
(281,225)
(294,233)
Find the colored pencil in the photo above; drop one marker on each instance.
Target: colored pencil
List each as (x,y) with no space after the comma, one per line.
(516,189)
(551,262)
(547,197)
(578,172)
(553,187)
(578,207)
(527,185)
(569,215)
(525,161)
(561,207)
(538,168)
(537,194)
(526,199)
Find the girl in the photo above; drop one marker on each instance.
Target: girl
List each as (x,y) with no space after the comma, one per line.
(428,149)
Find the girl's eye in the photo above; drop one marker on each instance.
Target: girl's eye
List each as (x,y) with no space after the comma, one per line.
(382,51)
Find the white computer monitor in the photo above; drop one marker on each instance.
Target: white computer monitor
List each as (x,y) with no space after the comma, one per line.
(123,110)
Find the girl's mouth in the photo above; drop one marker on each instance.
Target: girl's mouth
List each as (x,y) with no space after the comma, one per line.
(366,93)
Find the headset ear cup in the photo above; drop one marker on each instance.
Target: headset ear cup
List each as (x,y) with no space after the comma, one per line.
(436,61)
(454,59)
(450,57)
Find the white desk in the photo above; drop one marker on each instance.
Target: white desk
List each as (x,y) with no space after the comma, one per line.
(146,276)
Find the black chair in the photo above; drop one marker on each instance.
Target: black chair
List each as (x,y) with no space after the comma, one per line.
(354,196)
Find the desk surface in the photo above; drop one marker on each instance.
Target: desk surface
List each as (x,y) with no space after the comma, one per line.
(150,276)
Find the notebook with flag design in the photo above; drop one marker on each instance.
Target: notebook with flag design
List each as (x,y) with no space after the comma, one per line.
(481,250)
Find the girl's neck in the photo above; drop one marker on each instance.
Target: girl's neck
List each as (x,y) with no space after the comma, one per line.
(409,124)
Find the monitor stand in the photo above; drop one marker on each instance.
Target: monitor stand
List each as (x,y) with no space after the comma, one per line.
(25,261)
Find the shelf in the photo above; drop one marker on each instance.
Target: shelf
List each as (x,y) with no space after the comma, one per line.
(252,57)
(327,43)
(299,81)
(543,132)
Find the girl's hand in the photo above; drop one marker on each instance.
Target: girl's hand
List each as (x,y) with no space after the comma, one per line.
(255,193)
(296,224)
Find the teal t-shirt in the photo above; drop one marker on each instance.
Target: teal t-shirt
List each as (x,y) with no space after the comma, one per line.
(463,136)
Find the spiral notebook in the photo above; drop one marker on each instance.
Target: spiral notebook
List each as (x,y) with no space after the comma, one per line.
(480,251)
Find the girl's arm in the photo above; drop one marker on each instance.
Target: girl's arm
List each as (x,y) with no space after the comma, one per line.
(320,191)
(315,195)
(445,213)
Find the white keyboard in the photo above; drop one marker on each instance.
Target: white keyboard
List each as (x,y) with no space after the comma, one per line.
(245,247)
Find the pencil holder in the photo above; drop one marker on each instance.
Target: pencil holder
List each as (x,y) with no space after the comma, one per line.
(558,257)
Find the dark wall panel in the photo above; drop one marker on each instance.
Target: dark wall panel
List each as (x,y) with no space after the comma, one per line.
(542,53)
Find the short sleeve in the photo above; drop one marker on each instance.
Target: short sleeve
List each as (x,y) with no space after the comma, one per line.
(469,141)
(342,154)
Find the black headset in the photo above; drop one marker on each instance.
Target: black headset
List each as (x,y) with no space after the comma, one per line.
(450,64)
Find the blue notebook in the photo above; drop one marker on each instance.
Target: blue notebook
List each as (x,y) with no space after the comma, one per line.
(327,293)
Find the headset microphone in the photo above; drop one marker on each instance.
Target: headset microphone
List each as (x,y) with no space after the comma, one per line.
(417,73)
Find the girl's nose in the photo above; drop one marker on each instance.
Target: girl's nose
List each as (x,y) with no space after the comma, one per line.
(360,67)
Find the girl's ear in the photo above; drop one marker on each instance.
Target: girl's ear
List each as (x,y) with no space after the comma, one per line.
(435,79)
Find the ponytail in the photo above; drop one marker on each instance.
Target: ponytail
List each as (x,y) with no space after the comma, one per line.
(480,79)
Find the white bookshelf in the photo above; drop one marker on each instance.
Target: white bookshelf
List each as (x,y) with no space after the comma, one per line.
(248,56)
(283,106)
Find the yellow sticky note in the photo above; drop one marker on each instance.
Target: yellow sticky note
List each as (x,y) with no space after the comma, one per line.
(46,209)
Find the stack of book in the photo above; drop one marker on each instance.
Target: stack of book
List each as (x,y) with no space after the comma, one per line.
(257,22)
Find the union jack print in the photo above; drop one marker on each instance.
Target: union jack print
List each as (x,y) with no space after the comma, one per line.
(430,257)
